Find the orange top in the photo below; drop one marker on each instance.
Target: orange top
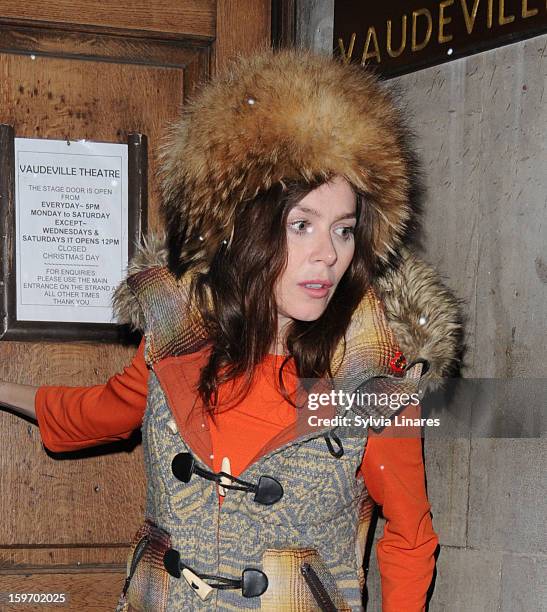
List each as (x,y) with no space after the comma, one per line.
(71,418)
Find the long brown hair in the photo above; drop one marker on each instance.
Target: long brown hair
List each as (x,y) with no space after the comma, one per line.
(242,321)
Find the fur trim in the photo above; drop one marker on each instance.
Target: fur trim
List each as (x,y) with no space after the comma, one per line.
(274,117)
(425,316)
(152,252)
(422,312)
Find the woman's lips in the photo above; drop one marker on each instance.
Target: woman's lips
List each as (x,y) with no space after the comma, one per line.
(315,293)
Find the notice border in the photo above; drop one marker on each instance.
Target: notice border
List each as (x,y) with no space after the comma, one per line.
(12,328)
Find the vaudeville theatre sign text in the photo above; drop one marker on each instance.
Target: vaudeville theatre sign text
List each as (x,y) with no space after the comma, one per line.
(397,36)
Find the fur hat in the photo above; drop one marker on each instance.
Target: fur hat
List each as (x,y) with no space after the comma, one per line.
(273,117)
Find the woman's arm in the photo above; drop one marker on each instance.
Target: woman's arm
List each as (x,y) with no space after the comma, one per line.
(71,418)
(20,398)
(395,478)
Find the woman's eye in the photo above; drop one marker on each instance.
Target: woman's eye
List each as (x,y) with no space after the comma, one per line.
(299,226)
(346,232)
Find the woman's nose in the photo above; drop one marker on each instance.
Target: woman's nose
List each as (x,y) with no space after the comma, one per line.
(324,250)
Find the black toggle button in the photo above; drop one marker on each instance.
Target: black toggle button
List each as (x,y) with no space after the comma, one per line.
(268,491)
(182,466)
(253,583)
(171,562)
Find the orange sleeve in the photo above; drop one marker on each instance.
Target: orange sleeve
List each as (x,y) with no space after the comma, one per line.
(71,418)
(395,478)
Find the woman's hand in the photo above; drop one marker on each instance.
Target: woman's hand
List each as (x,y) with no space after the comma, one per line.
(19,398)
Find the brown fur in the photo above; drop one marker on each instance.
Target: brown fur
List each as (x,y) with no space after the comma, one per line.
(312,116)
(152,252)
(424,315)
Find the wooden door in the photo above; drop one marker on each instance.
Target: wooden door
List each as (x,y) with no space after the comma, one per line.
(73,69)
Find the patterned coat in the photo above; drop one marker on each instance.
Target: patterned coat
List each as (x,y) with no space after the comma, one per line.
(297,543)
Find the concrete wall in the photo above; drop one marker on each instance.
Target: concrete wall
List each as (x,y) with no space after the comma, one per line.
(480,124)
(480,135)
(314,24)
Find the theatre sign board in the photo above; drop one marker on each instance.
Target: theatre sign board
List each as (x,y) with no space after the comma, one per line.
(71,228)
(396,37)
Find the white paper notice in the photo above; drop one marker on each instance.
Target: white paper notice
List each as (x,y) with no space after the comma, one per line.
(71,228)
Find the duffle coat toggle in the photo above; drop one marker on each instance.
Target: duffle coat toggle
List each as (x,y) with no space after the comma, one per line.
(252,583)
(267,491)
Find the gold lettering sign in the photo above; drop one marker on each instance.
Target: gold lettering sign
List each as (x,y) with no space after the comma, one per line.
(443,21)
(397,37)
(469,18)
(415,15)
(396,52)
(375,53)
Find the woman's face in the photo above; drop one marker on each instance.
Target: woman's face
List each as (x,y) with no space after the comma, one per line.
(320,246)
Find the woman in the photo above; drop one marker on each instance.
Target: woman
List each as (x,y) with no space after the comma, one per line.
(286,201)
